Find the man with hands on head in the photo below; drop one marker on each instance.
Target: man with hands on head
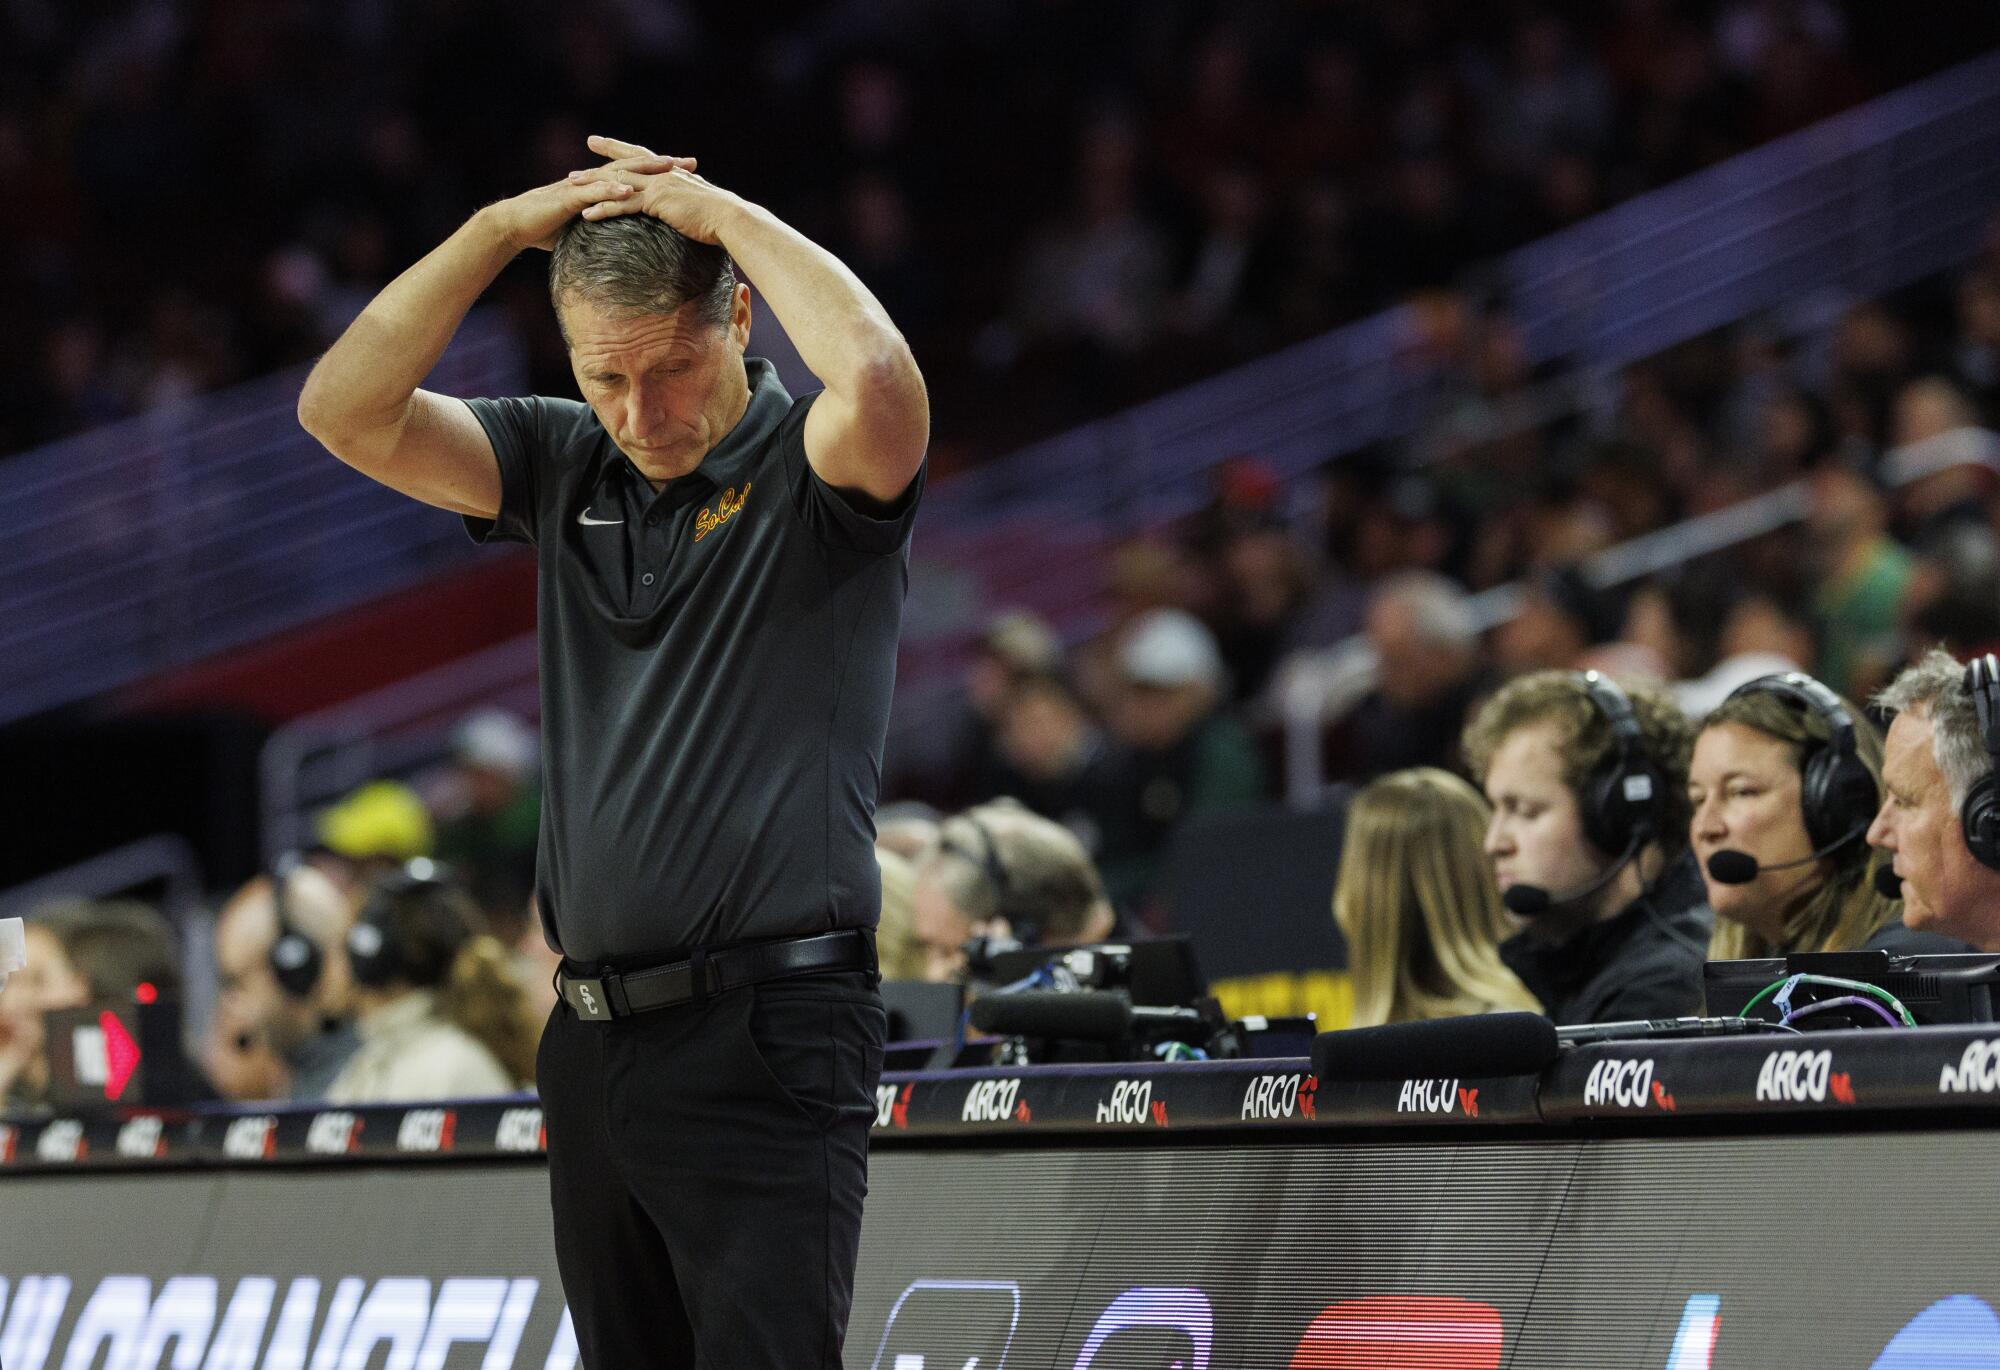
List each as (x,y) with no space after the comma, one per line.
(722,570)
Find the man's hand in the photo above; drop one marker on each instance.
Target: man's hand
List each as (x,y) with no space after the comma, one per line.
(535,218)
(664,187)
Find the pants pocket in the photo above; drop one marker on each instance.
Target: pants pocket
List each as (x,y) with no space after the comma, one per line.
(823,1055)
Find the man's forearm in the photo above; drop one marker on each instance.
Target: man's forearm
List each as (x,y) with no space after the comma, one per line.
(843,334)
(367,377)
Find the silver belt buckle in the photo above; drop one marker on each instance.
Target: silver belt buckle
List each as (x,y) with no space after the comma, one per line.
(587,998)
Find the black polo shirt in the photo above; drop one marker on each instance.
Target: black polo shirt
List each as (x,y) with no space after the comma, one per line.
(716,666)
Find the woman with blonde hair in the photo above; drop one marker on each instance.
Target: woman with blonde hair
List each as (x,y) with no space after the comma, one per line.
(1785,780)
(1417,903)
(899,955)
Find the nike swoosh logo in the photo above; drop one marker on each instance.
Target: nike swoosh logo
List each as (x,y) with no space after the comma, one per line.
(587,521)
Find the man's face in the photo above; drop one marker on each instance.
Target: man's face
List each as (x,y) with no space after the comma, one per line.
(941,928)
(1945,889)
(1535,836)
(1411,672)
(1401,672)
(1040,732)
(1540,637)
(248,997)
(666,387)
(48,982)
(490,788)
(1156,717)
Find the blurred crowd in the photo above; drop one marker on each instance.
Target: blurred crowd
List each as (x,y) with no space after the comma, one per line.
(399,957)
(196,193)
(396,958)
(1353,604)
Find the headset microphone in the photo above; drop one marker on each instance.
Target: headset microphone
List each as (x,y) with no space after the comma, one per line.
(1887,883)
(1530,900)
(1729,867)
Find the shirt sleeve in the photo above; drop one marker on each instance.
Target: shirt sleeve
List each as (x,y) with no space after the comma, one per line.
(518,429)
(851,522)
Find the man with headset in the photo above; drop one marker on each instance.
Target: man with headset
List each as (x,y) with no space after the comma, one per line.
(1004,874)
(1940,816)
(283,1024)
(1588,840)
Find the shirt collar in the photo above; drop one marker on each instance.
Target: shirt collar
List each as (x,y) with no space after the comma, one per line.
(729,459)
(398,1016)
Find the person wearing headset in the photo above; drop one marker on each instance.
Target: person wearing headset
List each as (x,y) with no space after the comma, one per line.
(283,1025)
(1002,873)
(1940,815)
(1786,779)
(442,1015)
(1588,841)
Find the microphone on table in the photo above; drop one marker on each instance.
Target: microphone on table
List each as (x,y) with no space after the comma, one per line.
(1530,900)
(1730,867)
(1086,1016)
(1487,1045)
(1887,883)
(1474,1047)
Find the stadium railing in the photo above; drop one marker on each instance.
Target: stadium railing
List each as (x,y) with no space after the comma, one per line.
(203,525)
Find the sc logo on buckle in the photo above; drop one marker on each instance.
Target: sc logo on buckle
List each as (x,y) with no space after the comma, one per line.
(587,998)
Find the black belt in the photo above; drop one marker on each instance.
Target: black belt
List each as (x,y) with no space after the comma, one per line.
(612,994)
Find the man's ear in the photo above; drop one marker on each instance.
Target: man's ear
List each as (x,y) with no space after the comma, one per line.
(739,322)
(994,927)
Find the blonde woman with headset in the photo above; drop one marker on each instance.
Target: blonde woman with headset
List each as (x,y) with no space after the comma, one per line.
(1416,900)
(1786,778)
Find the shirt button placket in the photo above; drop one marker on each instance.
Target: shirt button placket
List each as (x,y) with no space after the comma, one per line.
(652,521)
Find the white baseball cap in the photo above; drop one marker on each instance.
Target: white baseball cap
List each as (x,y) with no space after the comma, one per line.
(1168,648)
(496,738)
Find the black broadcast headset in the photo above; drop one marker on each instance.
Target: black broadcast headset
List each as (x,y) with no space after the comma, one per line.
(1620,800)
(410,929)
(296,960)
(1022,917)
(1979,815)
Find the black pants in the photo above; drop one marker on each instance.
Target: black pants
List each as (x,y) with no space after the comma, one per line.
(707,1168)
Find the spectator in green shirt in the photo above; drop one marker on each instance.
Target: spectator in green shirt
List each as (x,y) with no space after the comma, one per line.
(1188,754)
(1863,574)
(490,819)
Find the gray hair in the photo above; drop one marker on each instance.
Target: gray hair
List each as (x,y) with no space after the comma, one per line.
(1048,873)
(635,264)
(1437,607)
(1934,689)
